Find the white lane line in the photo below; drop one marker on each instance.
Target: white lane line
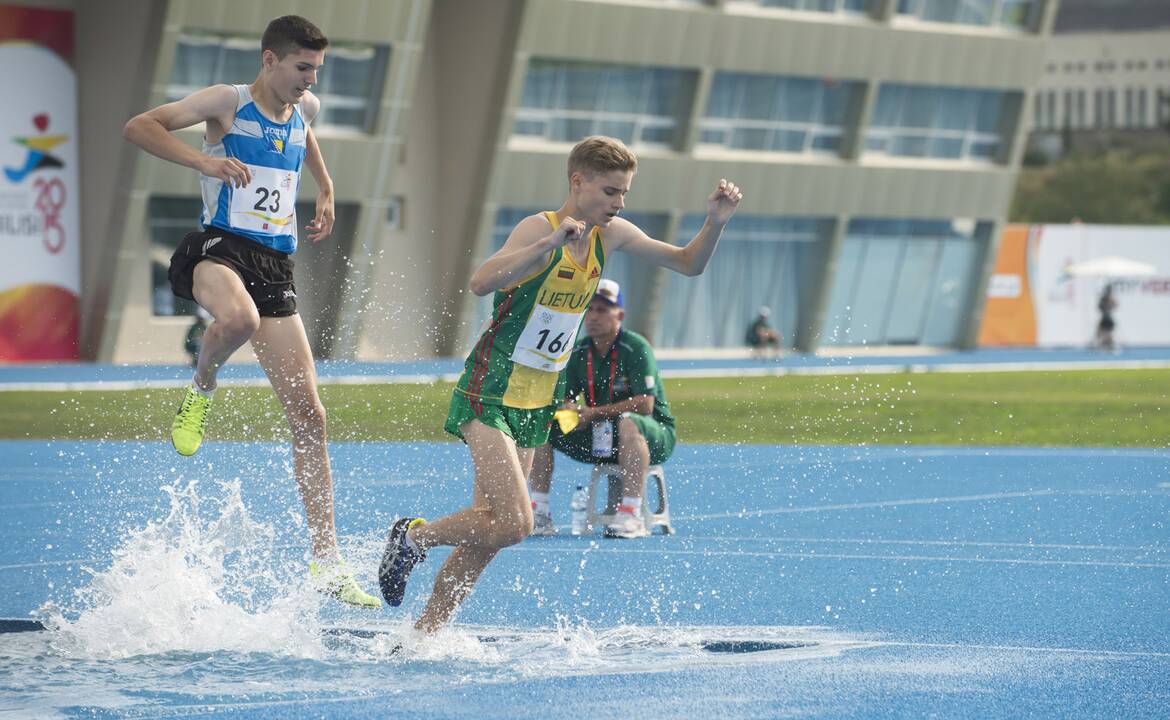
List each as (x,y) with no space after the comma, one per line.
(118,385)
(625,549)
(846,541)
(123,385)
(421,378)
(751,458)
(945,543)
(842,556)
(102,562)
(1106,492)
(1030,648)
(898,368)
(875,504)
(777,553)
(26,566)
(72,502)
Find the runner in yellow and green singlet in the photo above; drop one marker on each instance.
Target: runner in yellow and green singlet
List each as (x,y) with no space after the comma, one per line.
(517,363)
(543,279)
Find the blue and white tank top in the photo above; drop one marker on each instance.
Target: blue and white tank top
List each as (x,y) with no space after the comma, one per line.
(264,210)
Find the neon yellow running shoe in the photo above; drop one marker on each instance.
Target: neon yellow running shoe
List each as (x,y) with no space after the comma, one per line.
(187,429)
(336,580)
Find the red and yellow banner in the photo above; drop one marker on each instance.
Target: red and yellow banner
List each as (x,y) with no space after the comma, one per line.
(40,238)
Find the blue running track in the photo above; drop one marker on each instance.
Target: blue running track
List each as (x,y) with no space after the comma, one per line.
(826,582)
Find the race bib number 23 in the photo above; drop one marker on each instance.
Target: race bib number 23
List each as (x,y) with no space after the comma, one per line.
(267,205)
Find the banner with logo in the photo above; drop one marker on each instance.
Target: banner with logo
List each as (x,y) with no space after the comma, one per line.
(1034,301)
(40,273)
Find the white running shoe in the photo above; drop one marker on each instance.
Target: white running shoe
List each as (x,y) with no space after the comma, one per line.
(626,525)
(543,524)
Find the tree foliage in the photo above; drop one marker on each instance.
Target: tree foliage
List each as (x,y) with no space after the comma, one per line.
(1117,187)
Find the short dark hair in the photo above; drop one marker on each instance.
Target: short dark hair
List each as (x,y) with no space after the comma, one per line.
(290,33)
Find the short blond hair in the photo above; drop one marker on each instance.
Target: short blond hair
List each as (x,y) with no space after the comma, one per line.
(598,154)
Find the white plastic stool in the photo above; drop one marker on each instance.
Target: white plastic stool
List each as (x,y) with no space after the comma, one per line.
(660,517)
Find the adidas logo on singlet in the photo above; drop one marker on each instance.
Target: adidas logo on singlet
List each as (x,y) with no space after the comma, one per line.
(210,244)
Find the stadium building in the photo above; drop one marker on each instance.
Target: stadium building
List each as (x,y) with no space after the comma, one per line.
(877,142)
(1106,79)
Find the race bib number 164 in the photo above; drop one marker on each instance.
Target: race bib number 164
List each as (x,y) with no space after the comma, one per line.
(547,340)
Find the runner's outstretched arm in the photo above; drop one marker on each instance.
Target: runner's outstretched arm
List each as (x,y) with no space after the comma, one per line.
(692,258)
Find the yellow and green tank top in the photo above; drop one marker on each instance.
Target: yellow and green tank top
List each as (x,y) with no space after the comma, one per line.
(518,359)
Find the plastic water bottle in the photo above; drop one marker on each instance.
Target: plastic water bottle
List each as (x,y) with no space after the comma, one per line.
(578,506)
(602,439)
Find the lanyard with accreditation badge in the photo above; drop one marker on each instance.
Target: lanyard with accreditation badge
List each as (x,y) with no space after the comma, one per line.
(602,429)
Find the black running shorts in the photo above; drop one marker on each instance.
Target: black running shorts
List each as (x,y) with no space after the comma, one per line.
(267,273)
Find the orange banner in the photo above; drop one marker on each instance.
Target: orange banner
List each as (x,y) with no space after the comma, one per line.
(1009,318)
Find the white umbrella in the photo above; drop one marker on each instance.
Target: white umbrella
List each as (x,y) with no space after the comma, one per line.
(1111,266)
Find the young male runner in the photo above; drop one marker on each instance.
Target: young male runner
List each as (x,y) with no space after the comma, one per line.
(543,278)
(238,267)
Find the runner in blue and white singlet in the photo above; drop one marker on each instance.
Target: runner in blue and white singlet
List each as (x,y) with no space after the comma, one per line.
(238,266)
(265,210)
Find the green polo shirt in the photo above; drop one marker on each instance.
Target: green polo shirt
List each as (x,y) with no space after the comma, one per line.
(636,373)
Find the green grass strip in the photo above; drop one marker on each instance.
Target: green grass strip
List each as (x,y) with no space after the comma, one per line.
(1116,408)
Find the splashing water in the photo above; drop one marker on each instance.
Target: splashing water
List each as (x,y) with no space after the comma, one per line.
(191,584)
(205,608)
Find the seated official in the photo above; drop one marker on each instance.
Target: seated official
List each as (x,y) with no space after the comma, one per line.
(760,334)
(624,417)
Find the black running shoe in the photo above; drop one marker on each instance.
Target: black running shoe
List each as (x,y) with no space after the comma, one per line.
(398,560)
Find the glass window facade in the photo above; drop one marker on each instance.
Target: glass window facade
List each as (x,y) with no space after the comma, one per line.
(779,114)
(762,260)
(903,282)
(349,84)
(1015,14)
(566,101)
(937,122)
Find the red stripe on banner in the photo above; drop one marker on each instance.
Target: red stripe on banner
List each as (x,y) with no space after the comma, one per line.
(51,28)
